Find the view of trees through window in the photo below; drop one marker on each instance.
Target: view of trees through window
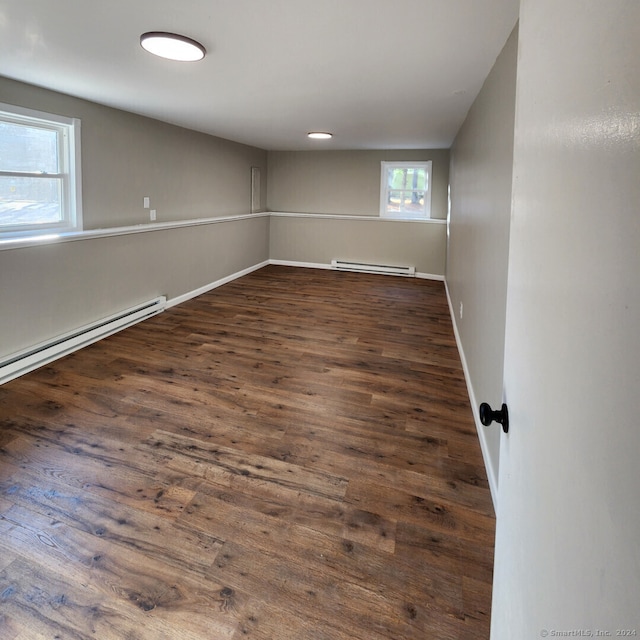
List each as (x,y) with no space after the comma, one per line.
(30,185)
(406,191)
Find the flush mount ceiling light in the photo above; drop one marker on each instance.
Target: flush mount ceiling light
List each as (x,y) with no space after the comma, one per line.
(172,46)
(320,135)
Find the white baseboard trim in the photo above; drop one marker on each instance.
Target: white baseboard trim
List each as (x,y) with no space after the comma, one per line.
(76,339)
(322,265)
(172,302)
(39,355)
(305,265)
(430,276)
(480,428)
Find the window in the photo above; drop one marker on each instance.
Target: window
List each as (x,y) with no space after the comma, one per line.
(405,190)
(39,173)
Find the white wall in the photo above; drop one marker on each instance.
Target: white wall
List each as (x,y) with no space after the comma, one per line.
(568,528)
(478,248)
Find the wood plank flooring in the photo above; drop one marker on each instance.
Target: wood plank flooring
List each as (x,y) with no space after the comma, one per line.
(291,456)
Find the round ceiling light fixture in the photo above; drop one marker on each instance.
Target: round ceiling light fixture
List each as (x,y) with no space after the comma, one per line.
(320,135)
(172,46)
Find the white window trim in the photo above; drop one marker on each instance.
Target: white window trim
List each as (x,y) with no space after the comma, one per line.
(384,189)
(71,170)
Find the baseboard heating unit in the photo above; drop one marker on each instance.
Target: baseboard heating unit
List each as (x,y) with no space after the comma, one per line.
(34,357)
(343,265)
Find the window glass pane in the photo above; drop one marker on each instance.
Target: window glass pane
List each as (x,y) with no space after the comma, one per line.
(26,148)
(408,178)
(413,201)
(405,201)
(29,201)
(398,178)
(394,201)
(418,179)
(405,190)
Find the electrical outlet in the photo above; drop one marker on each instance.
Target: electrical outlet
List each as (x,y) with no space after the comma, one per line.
(145,202)
(461,310)
(152,214)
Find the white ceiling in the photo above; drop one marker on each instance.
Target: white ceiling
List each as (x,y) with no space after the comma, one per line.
(378,73)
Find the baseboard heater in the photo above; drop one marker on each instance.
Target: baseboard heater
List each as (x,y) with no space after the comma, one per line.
(343,265)
(32,358)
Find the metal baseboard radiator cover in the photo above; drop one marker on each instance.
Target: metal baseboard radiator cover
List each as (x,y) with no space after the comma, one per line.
(34,357)
(387,269)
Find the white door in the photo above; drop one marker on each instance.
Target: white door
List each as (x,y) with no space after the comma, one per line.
(568,527)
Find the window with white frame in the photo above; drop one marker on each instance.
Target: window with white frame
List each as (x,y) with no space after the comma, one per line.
(40,182)
(405,190)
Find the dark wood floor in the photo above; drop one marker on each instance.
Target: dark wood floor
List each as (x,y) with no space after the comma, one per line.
(291,456)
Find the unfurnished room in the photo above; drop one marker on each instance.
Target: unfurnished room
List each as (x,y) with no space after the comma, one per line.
(319,320)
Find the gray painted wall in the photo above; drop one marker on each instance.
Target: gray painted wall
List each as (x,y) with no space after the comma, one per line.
(478,248)
(318,239)
(348,183)
(48,290)
(51,289)
(54,288)
(125,157)
(344,182)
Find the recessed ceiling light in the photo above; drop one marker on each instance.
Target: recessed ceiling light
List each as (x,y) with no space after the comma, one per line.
(320,135)
(172,46)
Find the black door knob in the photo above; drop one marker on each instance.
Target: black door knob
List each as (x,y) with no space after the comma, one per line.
(488,415)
